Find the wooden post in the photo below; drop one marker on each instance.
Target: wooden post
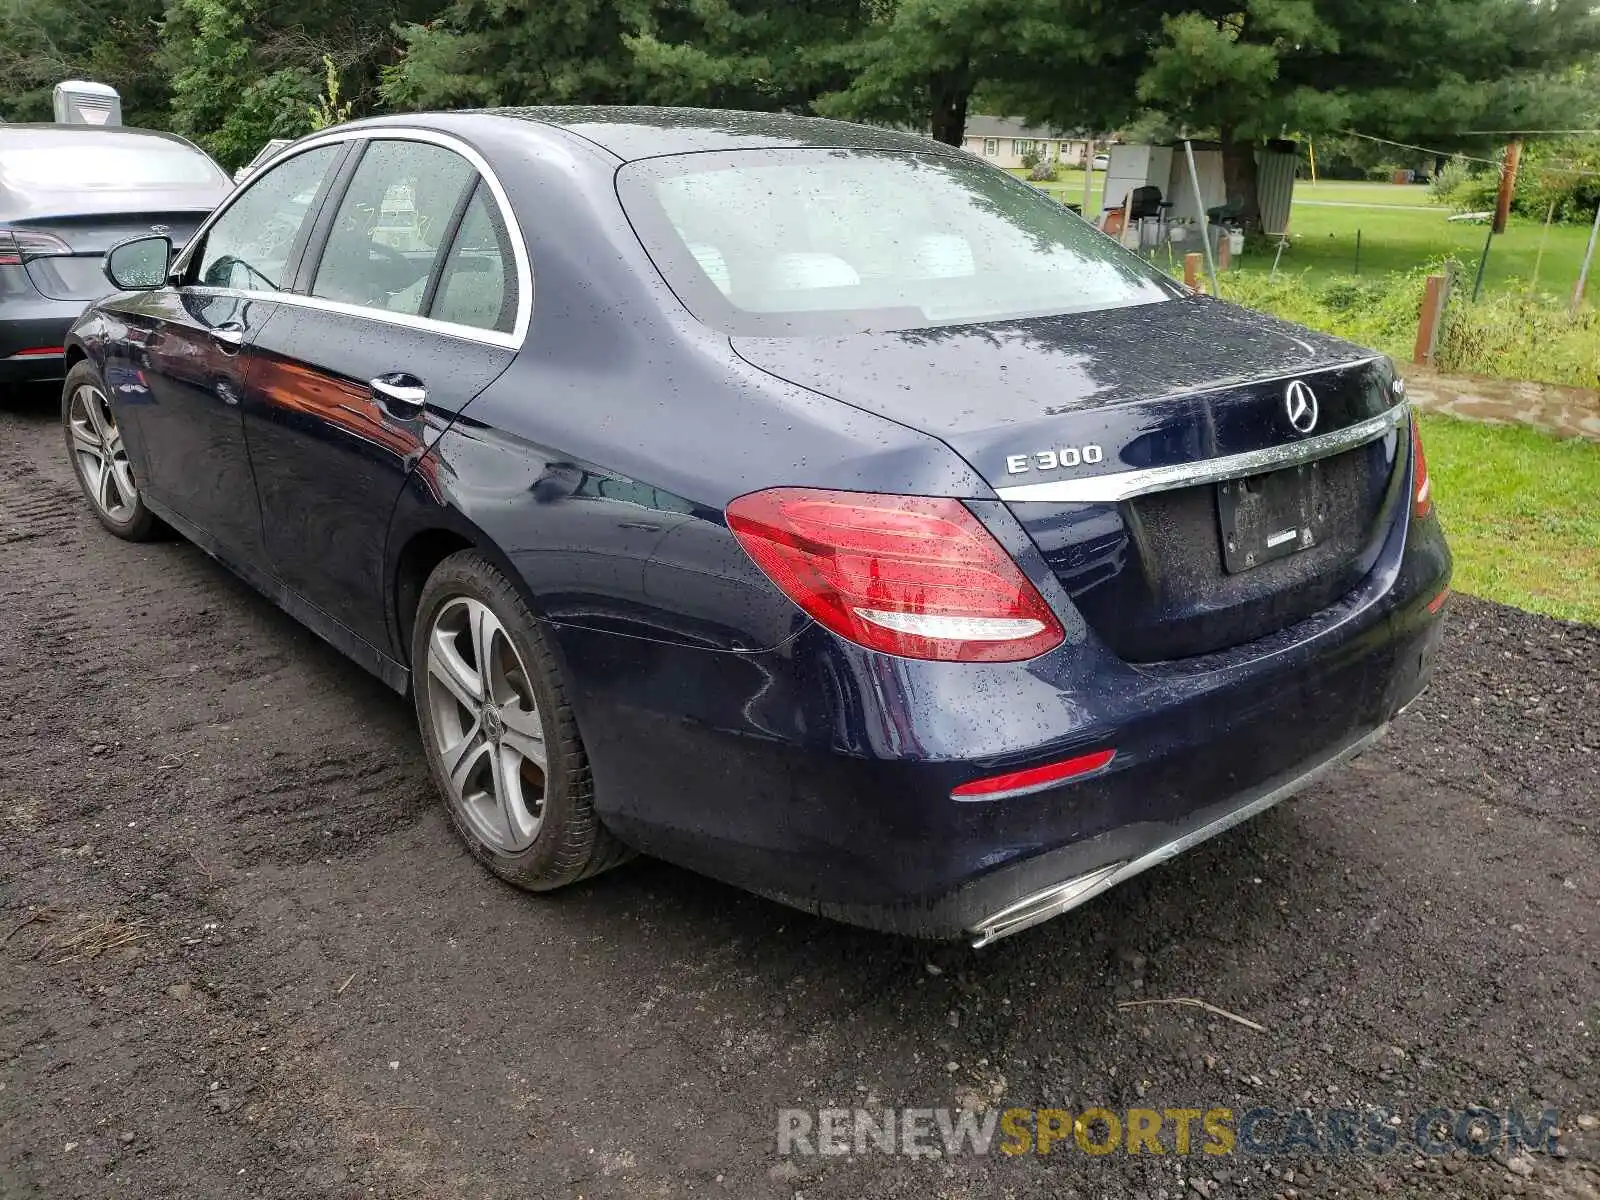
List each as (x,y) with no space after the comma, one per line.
(1191,270)
(1224,252)
(1508,185)
(1433,301)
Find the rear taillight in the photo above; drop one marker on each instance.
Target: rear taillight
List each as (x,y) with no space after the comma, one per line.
(18,246)
(907,575)
(1422,493)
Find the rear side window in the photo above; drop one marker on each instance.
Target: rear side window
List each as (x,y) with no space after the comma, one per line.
(476,286)
(249,246)
(812,241)
(389,231)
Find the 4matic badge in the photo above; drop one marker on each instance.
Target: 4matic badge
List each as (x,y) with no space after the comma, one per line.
(1049,460)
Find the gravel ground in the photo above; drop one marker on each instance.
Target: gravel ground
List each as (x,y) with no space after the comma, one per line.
(244,956)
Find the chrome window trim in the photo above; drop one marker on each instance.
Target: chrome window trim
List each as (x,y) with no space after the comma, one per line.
(1124,485)
(400,133)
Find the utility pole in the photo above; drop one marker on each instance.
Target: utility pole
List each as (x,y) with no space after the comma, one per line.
(1508,185)
(1088,177)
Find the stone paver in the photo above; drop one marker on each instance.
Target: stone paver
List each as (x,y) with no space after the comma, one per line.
(1564,411)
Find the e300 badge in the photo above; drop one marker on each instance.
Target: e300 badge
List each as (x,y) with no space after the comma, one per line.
(1049,460)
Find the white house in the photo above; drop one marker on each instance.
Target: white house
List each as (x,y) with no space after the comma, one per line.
(1005,141)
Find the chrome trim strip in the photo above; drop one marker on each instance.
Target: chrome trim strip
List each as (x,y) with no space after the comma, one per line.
(404,133)
(1124,485)
(1070,893)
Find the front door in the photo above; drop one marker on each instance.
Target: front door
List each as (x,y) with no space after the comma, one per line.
(198,352)
(410,314)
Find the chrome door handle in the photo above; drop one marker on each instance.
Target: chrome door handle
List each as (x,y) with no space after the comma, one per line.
(408,398)
(230,335)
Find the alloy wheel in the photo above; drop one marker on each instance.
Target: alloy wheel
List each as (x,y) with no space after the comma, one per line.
(102,458)
(486,725)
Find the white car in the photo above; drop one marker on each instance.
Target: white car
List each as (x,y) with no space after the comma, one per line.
(262,155)
(1102,162)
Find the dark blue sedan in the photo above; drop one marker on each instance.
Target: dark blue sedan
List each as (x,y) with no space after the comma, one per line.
(811,505)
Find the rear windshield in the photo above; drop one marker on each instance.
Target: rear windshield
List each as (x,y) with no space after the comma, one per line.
(780,242)
(67,162)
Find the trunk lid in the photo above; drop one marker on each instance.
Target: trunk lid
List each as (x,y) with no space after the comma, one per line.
(1039,406)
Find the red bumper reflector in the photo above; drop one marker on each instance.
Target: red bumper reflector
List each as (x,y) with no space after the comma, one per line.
(1033,777)
(1437,602)
(40,352)
(1422,500)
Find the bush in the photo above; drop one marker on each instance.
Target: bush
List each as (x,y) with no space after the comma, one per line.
(1372,311)
(1047,171)
(1448,179)
(1030,159)
(1519,334)
(1565,175)
(1511,334)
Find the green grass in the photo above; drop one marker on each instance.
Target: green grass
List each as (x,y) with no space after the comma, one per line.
(1323,244)
(1520,510)
(1400,229)
(1069,187)
(1347,191)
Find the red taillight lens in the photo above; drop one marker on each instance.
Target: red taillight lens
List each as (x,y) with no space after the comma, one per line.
(1422,496)
(17,246)
(1034,778)
(908,575)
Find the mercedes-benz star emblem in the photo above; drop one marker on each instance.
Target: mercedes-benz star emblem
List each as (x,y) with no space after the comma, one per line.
(1300,402)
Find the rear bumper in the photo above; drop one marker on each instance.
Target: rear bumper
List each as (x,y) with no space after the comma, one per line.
(820,774)
(1057,882)
(30,323)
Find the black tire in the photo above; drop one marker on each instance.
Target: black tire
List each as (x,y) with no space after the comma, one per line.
(132,522)
(570,843)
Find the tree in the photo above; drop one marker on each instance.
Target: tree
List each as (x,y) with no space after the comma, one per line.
(245,71)
(1413,70)
(225,95)
(1067,64)
(509,52)
(43,42)
(751,54)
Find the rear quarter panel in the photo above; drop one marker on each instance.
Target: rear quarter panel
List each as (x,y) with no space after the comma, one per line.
(598,466)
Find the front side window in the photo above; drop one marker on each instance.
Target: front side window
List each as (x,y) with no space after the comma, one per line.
(249,246)
(1019,147)
(991,147)
(803,241)
(388,233)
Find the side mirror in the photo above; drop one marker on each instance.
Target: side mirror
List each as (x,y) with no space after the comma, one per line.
(140,264)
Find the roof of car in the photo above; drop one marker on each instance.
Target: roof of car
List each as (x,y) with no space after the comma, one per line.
(36,131)
(641,132)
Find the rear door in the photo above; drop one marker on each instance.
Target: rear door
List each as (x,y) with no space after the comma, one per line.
(411,308)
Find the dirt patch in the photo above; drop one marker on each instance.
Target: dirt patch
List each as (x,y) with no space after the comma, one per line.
(300,986)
